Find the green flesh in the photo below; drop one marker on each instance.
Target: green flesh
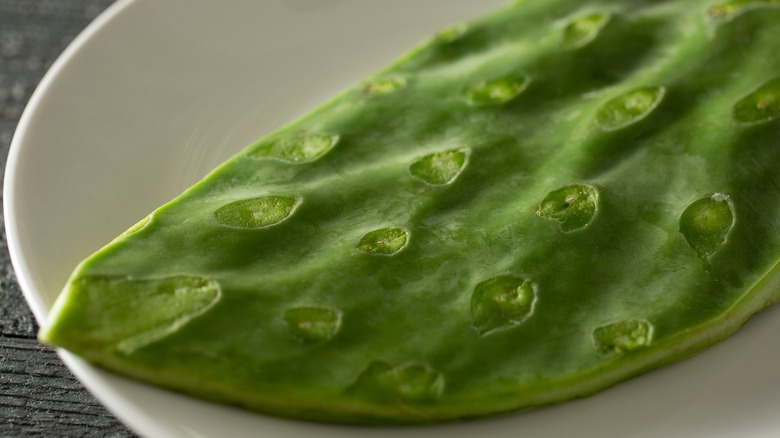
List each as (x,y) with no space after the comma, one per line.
(525,209)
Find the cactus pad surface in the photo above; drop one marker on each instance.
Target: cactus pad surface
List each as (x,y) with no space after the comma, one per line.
(525,209)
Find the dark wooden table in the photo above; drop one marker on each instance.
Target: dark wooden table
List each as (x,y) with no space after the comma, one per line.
(38,395)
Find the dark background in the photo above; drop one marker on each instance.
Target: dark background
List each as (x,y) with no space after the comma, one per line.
(38,395)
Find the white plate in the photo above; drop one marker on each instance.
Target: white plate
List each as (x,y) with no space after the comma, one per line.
(155,93)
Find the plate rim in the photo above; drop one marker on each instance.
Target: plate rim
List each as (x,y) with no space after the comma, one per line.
(121,409)
(15,248)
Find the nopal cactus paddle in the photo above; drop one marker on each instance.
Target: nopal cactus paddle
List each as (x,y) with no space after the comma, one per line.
(525,209)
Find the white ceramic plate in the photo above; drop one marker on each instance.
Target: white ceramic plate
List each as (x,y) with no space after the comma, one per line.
(155,93)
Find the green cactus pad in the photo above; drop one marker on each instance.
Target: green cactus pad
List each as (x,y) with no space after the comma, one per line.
(706,224)
(312,324)
(761,105)
(385,241)
(525,209)
(584,29)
